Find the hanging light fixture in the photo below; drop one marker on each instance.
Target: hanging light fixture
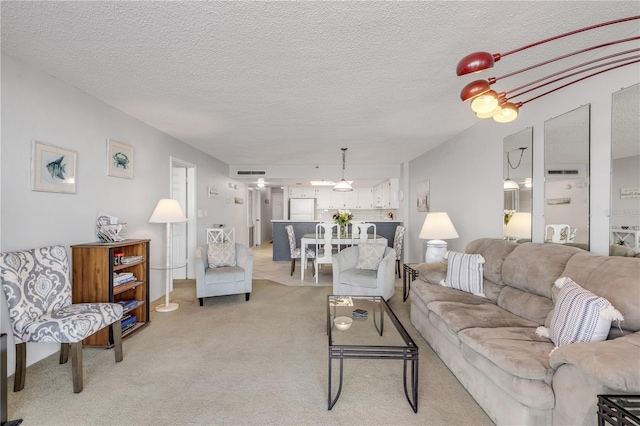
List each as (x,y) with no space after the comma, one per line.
(510,185)
(343,185)
(487,103)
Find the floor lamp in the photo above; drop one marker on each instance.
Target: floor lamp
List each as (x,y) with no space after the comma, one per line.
(437,227)
(168,211)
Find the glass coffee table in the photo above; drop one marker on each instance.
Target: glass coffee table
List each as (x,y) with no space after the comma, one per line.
(376,335)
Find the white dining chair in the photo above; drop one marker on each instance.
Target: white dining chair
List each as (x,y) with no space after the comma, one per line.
(325,232)
(560,233)
(360,233)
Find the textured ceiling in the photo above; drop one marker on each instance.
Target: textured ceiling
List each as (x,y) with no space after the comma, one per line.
(278,83)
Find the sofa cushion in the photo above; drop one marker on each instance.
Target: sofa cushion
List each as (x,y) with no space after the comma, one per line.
(359,278)
(579,315)
(434,292)
(431,272)
(494,252)
(369,256)
(221,254)
(224,275)
(464,272)
(530,306)
(459,316)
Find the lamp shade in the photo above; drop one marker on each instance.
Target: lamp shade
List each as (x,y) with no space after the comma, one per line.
(519,226)
(438,226)
(510,185)
(167,211)
(343,186)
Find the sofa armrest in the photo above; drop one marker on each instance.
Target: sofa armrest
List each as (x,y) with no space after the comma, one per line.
(613,363)
(432,273)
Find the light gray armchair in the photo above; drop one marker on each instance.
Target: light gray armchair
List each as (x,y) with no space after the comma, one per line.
(352,281)
(224,280)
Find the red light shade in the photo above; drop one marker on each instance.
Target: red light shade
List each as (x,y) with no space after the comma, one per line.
(475,62)
(473,89)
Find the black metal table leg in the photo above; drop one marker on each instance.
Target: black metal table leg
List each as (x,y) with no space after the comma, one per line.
(330,402)
(413,398)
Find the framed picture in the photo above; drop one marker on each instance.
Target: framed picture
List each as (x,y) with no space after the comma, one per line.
(422,194)
(119,159)
(53,169)
(212,192)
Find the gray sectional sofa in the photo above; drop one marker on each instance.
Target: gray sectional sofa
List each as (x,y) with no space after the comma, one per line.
(490,343)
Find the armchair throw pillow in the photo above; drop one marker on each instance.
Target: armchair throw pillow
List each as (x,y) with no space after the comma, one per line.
(579,315)
(221,254)
(370,255)
(464,272)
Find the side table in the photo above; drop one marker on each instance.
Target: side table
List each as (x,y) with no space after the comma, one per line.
(408,269)
(619,410)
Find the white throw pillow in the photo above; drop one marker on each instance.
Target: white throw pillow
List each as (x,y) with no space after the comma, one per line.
(221,254)
(579,315)
(370,255)
(464,272)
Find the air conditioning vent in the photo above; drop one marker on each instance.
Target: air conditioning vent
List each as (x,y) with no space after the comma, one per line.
(250,172)
(566,171)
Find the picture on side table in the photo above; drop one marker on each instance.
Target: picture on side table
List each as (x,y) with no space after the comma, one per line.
(53,169)
(119,159)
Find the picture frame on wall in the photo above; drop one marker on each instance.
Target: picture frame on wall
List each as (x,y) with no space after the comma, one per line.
(422,193)
(53,169)
(119,159)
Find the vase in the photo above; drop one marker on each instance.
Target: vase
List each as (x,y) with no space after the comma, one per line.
(343,229)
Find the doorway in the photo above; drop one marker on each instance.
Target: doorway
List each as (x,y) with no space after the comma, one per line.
(184,234)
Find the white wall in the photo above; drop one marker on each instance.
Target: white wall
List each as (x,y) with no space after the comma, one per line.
(37,106)
(465,172)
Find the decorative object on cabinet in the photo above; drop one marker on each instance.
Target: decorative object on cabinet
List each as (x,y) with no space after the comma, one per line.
(422,192)
(343,185)
(437,227)
(119,159)
(168,211)
(96,279)
(108,230)
(488,103)
(53,169)
(39,297)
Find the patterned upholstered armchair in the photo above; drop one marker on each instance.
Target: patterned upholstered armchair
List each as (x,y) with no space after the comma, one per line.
(296,252)
(38,291)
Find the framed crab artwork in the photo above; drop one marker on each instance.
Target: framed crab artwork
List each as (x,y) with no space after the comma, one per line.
(119,159)
(53,169)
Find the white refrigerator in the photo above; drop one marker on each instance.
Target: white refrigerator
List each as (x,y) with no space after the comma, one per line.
(302,209)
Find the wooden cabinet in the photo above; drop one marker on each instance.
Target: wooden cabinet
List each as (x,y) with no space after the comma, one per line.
(93,281)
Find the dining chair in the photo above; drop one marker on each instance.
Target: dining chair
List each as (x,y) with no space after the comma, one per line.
(398,240)
(296,252)
(360,232)
(38,291)
(560,233)
(325,232)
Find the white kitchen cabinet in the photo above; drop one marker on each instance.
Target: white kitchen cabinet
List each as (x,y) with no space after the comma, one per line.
(302,192)
(386,194)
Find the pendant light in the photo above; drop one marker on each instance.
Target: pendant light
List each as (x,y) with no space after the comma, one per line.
(510,185)
(343,185)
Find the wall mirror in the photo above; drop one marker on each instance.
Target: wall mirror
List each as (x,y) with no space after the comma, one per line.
(566,178)
(625,171)
(517,164)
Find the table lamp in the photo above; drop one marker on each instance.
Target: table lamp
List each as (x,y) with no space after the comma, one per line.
(437,227)
(519,226)
(168,211)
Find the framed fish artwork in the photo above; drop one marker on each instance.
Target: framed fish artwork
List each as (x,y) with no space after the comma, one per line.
(119,159)
(53,169)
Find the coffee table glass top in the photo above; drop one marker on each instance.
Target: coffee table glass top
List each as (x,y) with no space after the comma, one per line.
(379,328)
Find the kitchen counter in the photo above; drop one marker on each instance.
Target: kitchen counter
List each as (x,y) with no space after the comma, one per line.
(386,228)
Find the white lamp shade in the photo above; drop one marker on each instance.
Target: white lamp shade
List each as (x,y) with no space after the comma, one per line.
(343,186)
(511,185)
(167,211)
(519,226)
(438,226)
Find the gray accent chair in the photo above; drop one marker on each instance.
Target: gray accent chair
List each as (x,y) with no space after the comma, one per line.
(224,280)
(351,281)
(38,290)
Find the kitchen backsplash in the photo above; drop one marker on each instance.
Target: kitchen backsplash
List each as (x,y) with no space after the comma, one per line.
(360,214)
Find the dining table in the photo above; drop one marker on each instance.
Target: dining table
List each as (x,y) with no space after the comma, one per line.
(342,240)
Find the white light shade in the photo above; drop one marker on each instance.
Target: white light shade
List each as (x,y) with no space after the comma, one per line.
(167,211)
(486,102)
(343,186)
(519,226)
(508,113)
(510,185)
(438,226)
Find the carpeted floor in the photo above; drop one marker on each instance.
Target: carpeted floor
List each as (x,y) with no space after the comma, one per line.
(231,362)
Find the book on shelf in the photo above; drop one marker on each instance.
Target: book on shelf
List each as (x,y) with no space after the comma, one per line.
(123,278)
(129,321)
(127,304)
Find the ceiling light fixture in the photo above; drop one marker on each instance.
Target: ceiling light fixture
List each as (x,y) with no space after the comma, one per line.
(260,183)
(486,102)
(510,185)
(343,185)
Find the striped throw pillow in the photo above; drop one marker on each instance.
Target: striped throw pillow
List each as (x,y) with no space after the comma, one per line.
(464,272)
(579,315)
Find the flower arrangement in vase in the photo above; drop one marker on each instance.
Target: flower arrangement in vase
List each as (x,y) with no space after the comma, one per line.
(342,218)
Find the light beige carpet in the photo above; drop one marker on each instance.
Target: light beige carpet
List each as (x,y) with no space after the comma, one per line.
(231,362)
